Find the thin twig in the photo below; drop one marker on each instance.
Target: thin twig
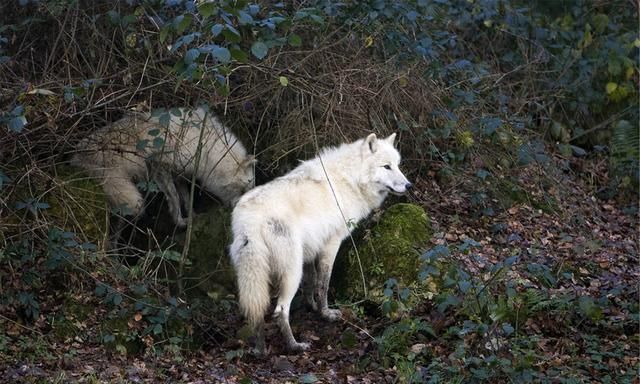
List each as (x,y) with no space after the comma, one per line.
(192,192)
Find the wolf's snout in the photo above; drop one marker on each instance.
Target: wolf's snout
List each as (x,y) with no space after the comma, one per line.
(400,188)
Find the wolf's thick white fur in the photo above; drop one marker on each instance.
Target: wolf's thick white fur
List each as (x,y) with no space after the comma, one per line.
(299,220)
(114,156)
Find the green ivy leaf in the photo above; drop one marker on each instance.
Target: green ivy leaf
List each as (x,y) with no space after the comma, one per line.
(317,19)
(100,290)
(464,285)
(230,355)
(295,40)
(221,54)
(254,9)
(482,173)
(164,33)
(183,22)
(223,90)
(259,50)
(507,328)
(191,55)
(600,22)
(244,18)
(114,17)
(348,339)
(142,144)
(17,123)
(231,36)
(3,179)
(108,338)
(158,142)
(308,378)
(217,29)
(239,55)
(128,19)
(207,9)
(164,119)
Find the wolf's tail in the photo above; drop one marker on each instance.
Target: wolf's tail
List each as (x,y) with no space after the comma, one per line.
(253,270)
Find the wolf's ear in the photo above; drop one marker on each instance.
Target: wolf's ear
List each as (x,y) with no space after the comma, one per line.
(391,138)
(371,143)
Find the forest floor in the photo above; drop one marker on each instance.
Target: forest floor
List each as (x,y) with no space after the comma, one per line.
(595,239)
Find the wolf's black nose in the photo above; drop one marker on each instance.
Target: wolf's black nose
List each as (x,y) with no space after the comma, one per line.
(408,185)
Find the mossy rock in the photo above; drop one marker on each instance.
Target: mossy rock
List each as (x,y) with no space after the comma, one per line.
(509,193)
(64,328)
(78,204)
(66,324)
(117,336)
(389,248)
(210,271)
(68,199)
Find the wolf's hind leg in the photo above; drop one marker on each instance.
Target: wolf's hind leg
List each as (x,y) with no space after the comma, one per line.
(289,283)
(168,186)
(325,265)
(309,284)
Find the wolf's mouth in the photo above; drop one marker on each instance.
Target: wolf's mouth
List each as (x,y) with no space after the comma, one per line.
(395,192)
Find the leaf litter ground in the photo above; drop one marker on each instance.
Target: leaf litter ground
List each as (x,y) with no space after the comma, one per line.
(594,239)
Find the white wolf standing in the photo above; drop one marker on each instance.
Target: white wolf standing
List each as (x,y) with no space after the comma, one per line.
(300,219)
(115,156)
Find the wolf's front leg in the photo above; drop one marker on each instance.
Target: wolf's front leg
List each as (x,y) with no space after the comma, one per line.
(324,267)
(123,194)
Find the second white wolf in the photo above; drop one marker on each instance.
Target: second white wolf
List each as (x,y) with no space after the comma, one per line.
(298,221)
(140,147)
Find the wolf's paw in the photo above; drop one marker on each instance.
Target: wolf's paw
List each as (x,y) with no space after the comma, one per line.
(277,312)
(331,314)
(258,351)
(299,347)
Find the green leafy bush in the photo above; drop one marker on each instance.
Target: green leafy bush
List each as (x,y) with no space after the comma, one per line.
(493,321)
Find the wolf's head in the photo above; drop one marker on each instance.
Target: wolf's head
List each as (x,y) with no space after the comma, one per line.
(240,179)
(382,161)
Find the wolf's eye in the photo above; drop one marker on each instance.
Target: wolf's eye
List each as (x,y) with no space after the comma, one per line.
(387,167)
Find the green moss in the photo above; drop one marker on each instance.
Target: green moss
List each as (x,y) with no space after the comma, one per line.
(64,329)
(117,336)
(210,272)
(389,249)
(78,204)
(78,311)
(75,203)
(67,323)
(509,194)
(189,338)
